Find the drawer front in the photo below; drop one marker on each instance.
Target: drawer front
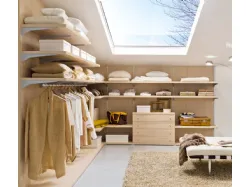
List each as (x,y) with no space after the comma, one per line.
(154,125)
(154,132)
(153,140)
(153,117)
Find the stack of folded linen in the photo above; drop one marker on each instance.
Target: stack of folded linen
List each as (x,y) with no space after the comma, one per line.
(204,92)
(163,93)
(154,76)
(187,93)
(114,92)
(119,76)
(195,79)
(129,92)
(79,72)
(52,70)
(145,94)
(58,16)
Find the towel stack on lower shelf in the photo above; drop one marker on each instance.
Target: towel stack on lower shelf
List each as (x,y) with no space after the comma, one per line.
(203,92)
(187,93)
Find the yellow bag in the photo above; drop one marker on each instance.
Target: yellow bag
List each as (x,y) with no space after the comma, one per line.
(119,118)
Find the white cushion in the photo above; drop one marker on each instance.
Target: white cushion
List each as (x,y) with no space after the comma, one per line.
(210,149)
(54,12)
(48,20)
(78,25)
(156,74)
(120,74)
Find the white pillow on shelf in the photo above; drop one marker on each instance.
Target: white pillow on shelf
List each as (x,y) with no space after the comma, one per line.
(120,74)
(78,25)
(54,12)
(156,74)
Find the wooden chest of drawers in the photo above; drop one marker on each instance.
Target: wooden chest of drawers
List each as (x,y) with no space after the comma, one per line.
(154,128)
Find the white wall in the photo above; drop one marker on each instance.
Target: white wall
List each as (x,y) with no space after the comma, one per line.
(223,105)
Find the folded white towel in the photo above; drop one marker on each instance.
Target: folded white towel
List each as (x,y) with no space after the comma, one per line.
(78,25)
(119,79)
(54,12)
(195,79)
(143,78)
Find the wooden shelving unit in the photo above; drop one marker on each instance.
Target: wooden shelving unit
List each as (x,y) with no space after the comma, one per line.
(56,31)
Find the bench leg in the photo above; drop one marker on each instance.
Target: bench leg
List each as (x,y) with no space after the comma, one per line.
(209,165)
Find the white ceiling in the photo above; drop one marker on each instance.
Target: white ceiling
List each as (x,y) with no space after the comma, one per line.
(213,31)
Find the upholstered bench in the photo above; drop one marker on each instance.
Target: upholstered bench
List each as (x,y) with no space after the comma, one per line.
(211,151)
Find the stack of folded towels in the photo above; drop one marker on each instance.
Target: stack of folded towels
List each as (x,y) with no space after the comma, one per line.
(58,16)
(204,92)
(195,79)
(59,70)
(119,76)
(153,76)
(129,92)
(145,94)
(115,92)
(163,93)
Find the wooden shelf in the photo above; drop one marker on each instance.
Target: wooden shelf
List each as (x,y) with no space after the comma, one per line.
(120,126)
(156,82)
(58,56)
(56,31)
(153,96)
(195,127)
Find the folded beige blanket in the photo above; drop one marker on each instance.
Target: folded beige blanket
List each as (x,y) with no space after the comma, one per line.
(189,140)
(64,74)
(80,75)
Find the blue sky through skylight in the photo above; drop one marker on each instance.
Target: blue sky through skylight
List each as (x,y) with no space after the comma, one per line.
(139,23)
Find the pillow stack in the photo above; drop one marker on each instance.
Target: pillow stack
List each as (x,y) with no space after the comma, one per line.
(59,16)
(52,70)
(154,76)
(119,76)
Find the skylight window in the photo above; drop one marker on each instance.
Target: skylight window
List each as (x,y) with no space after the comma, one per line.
(149,23)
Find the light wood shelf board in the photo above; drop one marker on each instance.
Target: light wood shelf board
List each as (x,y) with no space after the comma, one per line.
(59,56)
(120,126)
(56,31)
(154,96)
(195,127)
(155,82)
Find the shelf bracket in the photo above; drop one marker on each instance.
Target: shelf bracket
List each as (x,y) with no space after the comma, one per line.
(28,29)
(25,83)
(25,57)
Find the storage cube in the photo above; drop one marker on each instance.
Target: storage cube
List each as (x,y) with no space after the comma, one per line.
(91,58)
(116,138)
(143,108)
(54,45)
(83,54)
(75,50)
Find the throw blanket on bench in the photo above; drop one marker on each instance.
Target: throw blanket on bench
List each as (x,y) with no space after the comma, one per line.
(189,140)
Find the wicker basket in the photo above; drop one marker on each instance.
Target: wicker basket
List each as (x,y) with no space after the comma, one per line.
(196,121)
(157,106)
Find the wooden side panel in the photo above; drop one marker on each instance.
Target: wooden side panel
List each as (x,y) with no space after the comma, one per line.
(27,42)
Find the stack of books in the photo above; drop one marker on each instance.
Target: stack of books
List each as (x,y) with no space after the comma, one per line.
(203,92)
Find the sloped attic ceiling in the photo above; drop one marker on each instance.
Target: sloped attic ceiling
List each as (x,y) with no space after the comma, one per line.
(212,34)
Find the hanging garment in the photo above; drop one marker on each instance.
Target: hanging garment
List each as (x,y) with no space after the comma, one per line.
(47,135)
